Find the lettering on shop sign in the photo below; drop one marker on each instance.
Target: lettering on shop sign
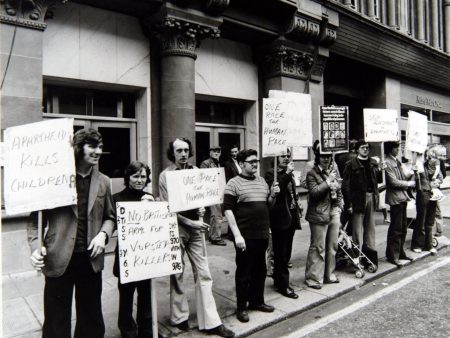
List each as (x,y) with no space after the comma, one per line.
(428,101)
(380,125)
(195,188)
(149,244)
(39,166)
(275,127)
(333,123)
(416,132)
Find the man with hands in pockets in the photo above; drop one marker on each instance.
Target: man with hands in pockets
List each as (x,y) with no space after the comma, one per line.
(247,199)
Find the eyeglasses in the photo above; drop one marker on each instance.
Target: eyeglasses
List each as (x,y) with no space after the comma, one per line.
(252,162)
(285,156)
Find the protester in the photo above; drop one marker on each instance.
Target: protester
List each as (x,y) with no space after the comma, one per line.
(397,184)
(191,231)
(214,211)
(73,252)
(232,167)
(360,189)
(442,154)
(247,199)
(136,177)
(325,203)
(284,220)
(430,178)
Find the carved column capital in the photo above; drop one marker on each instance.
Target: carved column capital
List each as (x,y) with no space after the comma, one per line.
(180,37)
(306,29)
(27,13)
(285,61)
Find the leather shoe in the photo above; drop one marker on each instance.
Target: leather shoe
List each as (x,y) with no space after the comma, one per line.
(183,326)
(407,258)
(262,307)
(395,262)
(331,281)
(220,242)
(242,316)
(221,331)
(315,286)
(288,292)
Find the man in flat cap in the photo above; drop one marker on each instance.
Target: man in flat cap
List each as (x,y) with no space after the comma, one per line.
(214,211)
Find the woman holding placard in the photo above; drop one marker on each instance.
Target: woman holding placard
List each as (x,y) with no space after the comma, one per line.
(136,178)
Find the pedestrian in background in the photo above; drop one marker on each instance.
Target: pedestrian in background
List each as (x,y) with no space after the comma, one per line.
(442,155)
(214,211)
(284,220)
(136,178)
(325,203)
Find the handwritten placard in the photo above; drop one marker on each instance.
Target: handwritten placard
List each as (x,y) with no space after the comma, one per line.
(333,125)
(39,166)
(380,125)
(149,244)
(275,127)
(195,188)
(416,132)
(299,115)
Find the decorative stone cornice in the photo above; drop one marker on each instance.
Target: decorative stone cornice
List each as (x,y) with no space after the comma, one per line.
(27,13)
(307,29)
(318,68)
(180,37)
(216,7)
(285,61)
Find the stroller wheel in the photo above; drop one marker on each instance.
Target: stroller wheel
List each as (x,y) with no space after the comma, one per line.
(372,268)
(359,273)
(435,242)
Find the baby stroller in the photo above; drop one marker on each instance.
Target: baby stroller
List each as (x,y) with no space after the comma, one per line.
(349,252)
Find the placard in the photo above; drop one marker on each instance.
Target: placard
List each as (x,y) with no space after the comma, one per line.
(416,132)
(299,115)
(39,166)
(275,127)
(380,125)
(195,188)
(149,244)
(333,124)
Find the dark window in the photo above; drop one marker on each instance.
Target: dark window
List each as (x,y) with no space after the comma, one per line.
(88,102)
(441,117)
(220,112)
(405,108)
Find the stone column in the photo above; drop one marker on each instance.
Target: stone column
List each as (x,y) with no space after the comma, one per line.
(447,26)
(21,27)
(434,26)
(371,9)
(420,13)
(179,40)
(392,13)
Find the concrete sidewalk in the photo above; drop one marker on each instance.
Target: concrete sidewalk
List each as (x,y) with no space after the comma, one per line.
(23,292)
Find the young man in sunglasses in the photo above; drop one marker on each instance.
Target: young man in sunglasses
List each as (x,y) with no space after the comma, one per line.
(246,203)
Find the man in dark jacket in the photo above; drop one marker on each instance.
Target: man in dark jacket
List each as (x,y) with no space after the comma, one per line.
(360,189)
(284,220)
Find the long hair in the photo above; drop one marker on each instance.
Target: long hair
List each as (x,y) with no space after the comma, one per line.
(85,136)
(171,150)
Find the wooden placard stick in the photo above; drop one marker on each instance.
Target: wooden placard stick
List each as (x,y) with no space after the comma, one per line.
(154,305)
(40,235)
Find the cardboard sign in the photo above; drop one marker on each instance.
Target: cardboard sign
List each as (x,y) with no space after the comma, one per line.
(195,188)
(149,244)
(275,127)
(299,116)
(380,125)
(39,166)
(333,126)
(416,132)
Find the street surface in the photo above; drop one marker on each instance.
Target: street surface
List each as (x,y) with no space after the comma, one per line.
(411,302)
